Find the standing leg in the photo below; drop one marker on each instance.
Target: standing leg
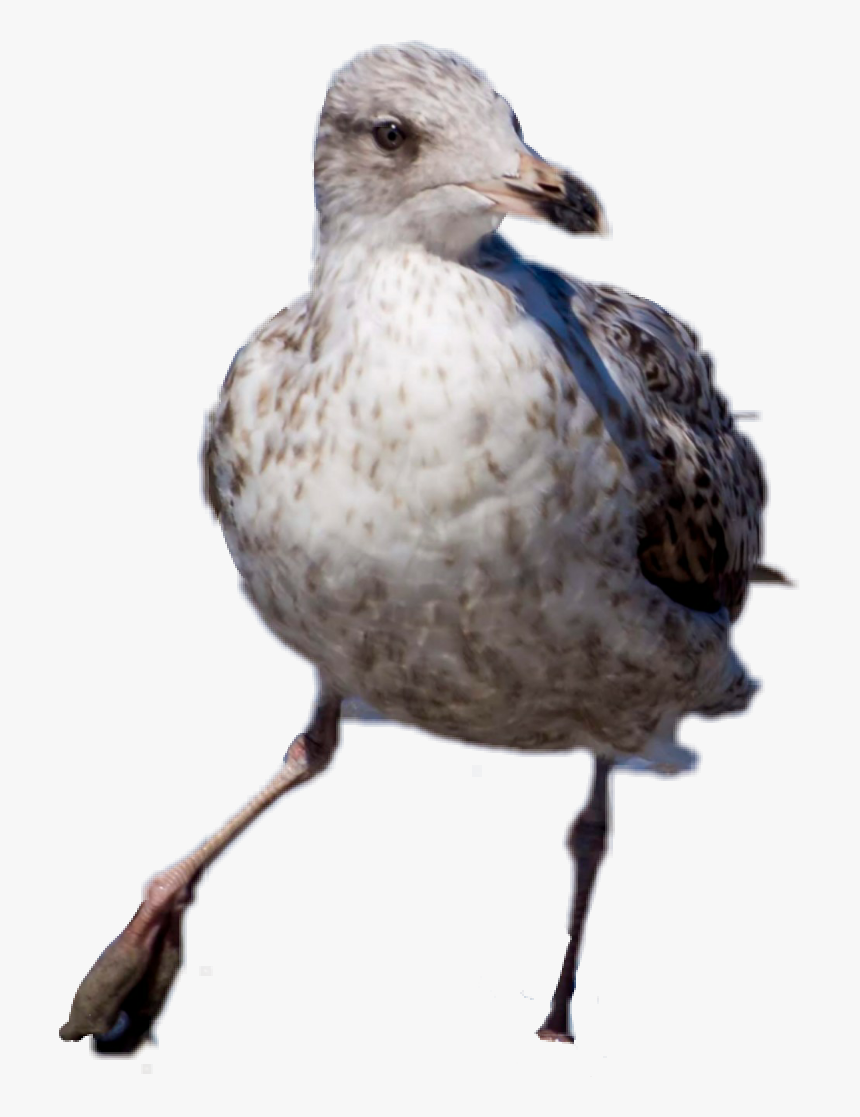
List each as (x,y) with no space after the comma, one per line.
(126,987)
(587,843)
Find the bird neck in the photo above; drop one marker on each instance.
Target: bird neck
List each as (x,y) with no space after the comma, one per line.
(436,222)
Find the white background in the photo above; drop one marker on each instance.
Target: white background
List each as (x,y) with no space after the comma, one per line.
(387,938)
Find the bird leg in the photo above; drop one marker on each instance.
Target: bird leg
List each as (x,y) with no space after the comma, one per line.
(587,843)
(126,987)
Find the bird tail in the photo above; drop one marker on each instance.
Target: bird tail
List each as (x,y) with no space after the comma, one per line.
(769,574)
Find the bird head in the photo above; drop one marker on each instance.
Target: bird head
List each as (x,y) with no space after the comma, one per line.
(415,145)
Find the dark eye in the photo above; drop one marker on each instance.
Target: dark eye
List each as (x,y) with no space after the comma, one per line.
(388,135)
(515,120)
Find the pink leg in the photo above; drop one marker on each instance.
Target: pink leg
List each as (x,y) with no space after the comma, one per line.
(129,982)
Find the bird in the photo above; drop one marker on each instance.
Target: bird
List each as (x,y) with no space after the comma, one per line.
(482,497)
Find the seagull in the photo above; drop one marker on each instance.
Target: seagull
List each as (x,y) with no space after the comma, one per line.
(481,497)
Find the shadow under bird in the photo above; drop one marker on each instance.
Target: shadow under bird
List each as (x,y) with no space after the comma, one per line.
(483,498)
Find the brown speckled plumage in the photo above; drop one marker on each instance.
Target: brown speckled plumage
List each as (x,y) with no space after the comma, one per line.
(482,498)
(701,526)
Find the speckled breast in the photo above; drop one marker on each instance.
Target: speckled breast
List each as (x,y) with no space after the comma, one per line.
(431,511)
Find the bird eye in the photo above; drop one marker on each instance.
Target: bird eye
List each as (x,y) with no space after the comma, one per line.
(515,120)
(388,135)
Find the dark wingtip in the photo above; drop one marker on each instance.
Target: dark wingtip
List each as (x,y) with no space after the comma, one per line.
(769,575)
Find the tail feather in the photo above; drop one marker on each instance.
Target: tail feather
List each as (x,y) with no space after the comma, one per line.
(762,573)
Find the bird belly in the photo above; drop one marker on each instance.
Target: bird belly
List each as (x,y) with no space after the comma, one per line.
(447,531)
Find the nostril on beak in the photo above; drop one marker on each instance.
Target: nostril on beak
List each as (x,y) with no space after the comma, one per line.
(552,189)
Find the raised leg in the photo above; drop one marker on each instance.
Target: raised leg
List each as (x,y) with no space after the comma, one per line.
(126,987)
(587,843)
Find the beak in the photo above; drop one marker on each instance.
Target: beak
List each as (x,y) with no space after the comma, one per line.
(539,189)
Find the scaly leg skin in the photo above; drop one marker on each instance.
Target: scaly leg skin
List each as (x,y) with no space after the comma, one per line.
(124,991)
(587,843)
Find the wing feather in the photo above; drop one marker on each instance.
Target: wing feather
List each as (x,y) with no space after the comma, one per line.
(700,530)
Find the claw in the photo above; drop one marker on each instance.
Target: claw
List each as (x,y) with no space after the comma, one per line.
(549,1033)
(556,1026)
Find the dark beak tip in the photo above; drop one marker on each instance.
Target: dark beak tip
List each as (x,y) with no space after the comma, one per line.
(581,212)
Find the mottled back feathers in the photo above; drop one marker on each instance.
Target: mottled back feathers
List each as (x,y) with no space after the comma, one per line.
(701,526)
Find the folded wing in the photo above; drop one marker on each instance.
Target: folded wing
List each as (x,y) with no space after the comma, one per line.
(700,529)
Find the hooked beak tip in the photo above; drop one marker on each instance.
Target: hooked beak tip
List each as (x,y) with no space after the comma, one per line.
(541,190)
